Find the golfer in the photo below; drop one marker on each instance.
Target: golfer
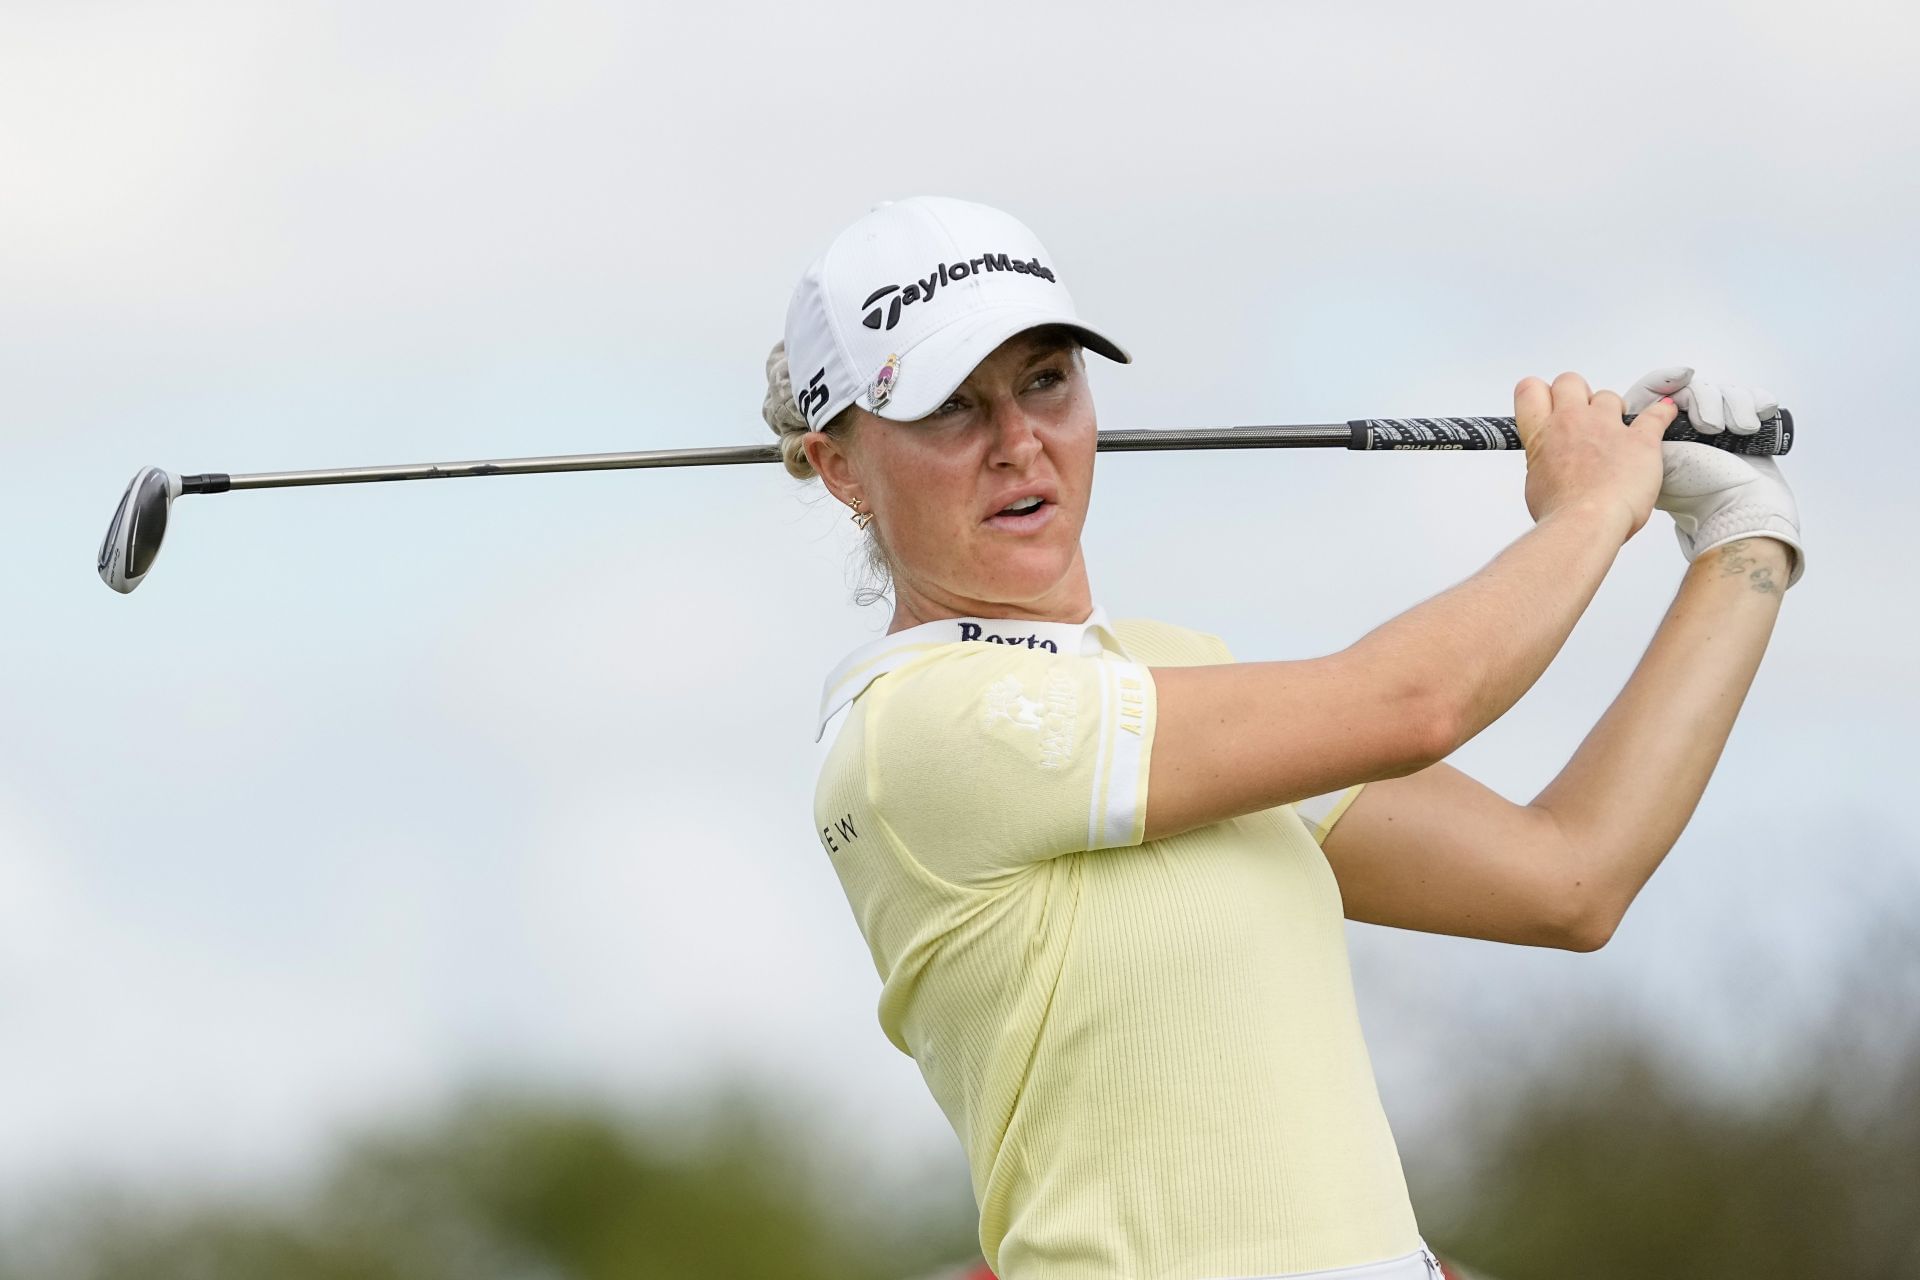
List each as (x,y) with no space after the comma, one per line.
(1102,866)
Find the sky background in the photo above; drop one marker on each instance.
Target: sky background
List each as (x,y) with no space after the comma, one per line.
(372,792)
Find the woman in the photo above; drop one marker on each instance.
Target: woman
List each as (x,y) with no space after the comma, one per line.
(1102,866)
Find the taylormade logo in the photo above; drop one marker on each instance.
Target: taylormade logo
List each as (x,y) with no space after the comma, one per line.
(885,302)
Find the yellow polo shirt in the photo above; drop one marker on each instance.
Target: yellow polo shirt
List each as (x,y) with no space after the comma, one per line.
(1149,1050)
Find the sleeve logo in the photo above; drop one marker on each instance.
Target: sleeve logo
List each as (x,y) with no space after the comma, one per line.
(1050,718)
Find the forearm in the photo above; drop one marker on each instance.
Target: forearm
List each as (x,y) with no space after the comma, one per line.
(1629,790)
(1480,645)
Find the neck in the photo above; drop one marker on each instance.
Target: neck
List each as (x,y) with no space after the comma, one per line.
(1070,602)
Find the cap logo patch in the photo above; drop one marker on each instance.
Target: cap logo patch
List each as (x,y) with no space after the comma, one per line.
(881,389)
(814,397)
(883,304)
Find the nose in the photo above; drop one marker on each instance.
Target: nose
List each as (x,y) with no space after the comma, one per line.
(1015,442)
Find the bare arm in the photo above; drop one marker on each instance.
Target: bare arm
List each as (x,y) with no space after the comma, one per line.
(1439,852)
(1630,789)
(1241,737)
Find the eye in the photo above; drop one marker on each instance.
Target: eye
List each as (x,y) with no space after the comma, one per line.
(1048,377)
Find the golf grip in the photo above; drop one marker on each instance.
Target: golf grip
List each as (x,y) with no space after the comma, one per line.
(1774,437)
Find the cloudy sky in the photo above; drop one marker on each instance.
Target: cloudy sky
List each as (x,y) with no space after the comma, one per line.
(370,792)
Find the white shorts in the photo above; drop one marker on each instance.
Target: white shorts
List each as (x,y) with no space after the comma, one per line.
(1418,1265)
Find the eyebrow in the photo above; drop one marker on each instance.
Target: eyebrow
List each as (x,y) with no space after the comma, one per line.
(1049,348)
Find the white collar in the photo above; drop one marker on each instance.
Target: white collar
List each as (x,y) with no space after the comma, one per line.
(871,661)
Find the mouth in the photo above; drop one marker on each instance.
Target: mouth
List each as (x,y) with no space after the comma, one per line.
(1024,516)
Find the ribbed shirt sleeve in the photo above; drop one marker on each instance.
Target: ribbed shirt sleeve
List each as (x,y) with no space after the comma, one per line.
(985,760)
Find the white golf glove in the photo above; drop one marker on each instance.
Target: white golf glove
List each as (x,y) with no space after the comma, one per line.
(1714,496)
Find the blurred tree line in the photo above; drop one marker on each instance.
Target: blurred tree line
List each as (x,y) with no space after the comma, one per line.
(1617,1161)
(1611,1161)
(516,1185)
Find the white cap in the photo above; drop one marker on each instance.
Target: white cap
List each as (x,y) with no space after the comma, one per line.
(906,301)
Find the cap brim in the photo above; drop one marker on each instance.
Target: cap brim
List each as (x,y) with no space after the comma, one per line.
(934,367)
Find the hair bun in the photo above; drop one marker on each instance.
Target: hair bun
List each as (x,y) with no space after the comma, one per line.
(783,416)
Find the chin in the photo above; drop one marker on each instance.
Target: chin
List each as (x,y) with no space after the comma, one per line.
(1027,577)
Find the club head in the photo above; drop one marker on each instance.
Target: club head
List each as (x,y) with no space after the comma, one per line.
(139,523)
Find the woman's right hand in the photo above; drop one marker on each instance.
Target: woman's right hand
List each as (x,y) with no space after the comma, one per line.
(1581,451)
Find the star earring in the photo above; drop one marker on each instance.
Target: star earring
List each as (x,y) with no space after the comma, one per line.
(861,519)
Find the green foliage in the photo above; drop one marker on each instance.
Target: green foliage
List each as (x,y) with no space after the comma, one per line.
(517,1187)
(1624,1171)
(1614,1163)
(520,1187)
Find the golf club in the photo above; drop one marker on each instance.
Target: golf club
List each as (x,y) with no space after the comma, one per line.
(140,521)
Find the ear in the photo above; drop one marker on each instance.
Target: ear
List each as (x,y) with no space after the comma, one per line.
(829,458)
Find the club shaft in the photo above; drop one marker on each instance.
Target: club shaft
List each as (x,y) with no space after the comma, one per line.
(730,456)
(1109,441)
(1465,434)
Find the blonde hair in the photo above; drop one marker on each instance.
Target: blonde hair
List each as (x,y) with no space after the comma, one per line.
(782,414)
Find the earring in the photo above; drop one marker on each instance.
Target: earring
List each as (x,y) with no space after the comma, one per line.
(861,519)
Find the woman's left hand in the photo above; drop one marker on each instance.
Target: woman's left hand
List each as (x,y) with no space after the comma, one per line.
(1715,496)
(1711,407)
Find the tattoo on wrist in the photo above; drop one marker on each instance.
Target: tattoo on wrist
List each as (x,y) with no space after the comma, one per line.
(1738,561)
